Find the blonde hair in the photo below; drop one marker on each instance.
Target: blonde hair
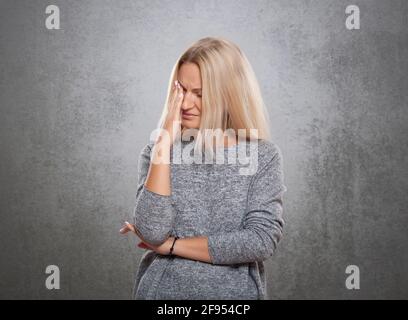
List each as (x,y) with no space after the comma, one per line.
(231,97)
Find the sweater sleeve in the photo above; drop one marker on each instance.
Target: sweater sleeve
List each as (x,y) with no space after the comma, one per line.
(262,225)
(153,213)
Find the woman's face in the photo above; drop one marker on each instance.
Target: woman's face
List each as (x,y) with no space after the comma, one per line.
(190,80)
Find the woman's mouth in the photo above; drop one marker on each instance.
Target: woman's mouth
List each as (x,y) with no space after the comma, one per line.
(187,115)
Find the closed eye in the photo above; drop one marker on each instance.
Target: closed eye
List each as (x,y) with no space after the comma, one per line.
(197,94)
(184,90)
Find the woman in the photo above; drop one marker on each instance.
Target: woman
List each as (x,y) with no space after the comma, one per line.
(209,227)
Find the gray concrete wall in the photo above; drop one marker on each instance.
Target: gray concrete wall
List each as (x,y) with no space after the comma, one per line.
(79,103)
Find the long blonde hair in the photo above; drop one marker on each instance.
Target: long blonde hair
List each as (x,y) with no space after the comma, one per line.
(231,97)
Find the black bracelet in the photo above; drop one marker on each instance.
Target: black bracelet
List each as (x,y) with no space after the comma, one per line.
(171,249)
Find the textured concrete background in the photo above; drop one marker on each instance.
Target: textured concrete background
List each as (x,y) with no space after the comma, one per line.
(78,104)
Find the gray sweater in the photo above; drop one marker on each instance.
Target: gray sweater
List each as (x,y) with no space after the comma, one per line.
(240,214)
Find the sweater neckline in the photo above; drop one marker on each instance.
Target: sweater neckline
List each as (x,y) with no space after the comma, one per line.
(240,141)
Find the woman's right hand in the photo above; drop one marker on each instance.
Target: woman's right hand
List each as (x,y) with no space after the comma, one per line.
(172,123)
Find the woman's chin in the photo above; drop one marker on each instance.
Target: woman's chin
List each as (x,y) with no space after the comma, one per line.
(189,124)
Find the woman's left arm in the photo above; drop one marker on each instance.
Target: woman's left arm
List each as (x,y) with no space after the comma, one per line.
(262,227)
(193,248)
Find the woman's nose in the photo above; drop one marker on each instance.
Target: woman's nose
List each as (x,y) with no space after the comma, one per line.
(188,100)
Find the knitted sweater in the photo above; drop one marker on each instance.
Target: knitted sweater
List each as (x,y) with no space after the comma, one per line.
(241,214)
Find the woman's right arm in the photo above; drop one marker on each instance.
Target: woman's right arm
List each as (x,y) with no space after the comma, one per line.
(154,213)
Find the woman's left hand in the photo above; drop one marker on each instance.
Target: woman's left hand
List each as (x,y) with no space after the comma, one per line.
(163,248)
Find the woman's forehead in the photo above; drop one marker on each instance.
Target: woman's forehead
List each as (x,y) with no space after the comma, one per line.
(189,76)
